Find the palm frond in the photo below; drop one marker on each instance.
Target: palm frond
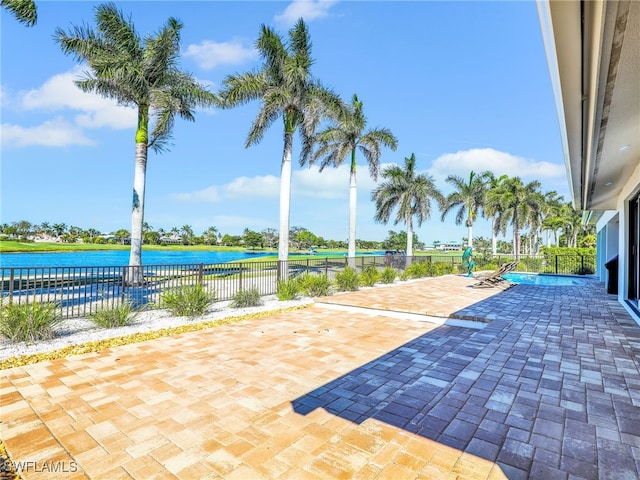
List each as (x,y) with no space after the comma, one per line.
(239,89)
(25,11)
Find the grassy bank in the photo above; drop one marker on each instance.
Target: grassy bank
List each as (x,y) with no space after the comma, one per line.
(10,246)
(25,247)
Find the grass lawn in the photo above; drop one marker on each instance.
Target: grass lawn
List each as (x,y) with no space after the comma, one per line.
(10,246)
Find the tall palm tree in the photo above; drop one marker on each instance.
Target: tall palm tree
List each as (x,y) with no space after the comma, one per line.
(534,221)
(518,202)
(286,89)
(552,221)
(492,208)
(139,73)
(408,192)
(186,232)
(25,11)
(467,197)
(343,137)
(210,235)
(59,229)
(572,224)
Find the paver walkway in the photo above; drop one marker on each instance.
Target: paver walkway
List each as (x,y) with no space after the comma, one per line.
(550,389)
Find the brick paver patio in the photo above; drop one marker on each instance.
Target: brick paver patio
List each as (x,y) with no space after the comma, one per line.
(549,389)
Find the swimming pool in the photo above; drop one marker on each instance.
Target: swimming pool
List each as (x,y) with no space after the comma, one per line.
(542,279)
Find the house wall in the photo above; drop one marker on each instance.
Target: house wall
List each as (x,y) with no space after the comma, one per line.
(629,190)
(613,237)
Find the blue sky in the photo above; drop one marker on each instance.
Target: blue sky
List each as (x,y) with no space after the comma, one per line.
(463,85)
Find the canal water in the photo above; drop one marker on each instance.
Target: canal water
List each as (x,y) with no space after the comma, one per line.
(117,258)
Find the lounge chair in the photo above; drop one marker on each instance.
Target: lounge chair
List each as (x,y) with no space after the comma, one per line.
(495,278)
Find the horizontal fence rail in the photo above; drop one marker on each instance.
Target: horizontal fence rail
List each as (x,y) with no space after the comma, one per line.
(80,291)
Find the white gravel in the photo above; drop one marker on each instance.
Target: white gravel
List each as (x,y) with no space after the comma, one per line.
(75,331)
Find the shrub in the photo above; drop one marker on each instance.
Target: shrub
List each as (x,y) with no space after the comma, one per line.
(388,275)
(404,275)
(369,276)
(347,280)
(586,270)
(417,270)
(29,322)
(187,300)
(439,269)
(490,266)
(118,315)
(288,289)
(314,285)
(247,298)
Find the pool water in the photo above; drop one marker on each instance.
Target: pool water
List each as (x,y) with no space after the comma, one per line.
(542,279)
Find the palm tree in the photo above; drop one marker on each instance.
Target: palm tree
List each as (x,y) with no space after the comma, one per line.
(143,74)
(25,11)
(572,224)
(518,202)
(467,197)
(210,235)
(493,209)
(287,90)
(344,137)
(59,229)
(552,220)
(408,192)
(186,233)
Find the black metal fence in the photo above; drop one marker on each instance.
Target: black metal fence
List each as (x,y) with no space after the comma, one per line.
(79,291)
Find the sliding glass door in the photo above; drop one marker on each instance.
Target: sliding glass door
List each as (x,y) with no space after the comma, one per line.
(634,251)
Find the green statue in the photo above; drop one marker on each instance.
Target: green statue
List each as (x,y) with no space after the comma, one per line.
(467,260)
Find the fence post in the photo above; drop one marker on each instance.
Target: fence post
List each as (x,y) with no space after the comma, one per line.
(11,285)
(326,267)
(581,264)
(200,274)
(240,277)
(125,275)
(556,263)
(307,265)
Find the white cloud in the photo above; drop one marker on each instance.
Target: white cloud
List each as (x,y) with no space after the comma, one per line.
(209,54)
(209,194)
(53,133)
(307,9)
(266,186)
(500,163)
(332,183)
(60,93)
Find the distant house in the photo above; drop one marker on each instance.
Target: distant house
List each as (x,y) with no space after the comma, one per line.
(172,239)
(450,246)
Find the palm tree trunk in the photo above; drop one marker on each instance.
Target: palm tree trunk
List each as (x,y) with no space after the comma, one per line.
(137,215)
(353,197)
(516,241)
(409,252)
(494,237)
(285,202)
(470,232)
